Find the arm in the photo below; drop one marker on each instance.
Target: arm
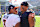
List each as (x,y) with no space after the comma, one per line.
(3,20)
(17,25)
(31,19)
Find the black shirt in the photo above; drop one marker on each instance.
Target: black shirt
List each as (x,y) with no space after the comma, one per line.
(24,19)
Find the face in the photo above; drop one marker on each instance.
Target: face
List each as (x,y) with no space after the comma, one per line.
(23,8)
(13,11)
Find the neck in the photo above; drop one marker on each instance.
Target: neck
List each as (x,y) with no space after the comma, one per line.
(9,12)
(24,11)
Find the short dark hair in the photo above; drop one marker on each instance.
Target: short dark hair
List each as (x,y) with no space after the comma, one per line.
(24,4)
(10,7)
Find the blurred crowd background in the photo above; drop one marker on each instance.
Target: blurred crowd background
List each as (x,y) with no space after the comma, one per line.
(33,4)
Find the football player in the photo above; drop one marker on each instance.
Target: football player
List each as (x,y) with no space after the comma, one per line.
(11,19)
(27,18)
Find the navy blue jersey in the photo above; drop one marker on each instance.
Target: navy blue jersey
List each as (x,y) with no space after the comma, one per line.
(24,19)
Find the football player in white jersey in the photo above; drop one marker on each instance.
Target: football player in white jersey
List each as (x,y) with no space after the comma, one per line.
(11,19)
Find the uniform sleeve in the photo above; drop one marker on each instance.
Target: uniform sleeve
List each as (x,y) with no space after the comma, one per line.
(18,19)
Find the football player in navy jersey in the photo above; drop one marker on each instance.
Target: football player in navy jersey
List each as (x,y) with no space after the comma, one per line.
(27,18)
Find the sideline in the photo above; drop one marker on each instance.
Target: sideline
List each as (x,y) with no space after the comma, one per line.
(37,16)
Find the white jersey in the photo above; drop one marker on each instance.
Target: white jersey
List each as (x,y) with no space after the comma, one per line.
(5,17)
(12,20)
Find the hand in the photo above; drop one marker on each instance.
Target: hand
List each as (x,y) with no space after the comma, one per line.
(32,15)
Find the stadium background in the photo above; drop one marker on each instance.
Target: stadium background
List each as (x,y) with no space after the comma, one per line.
(34,4)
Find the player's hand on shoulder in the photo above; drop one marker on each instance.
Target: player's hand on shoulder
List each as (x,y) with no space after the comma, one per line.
(32,15)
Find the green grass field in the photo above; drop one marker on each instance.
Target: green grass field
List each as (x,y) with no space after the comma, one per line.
(37,24)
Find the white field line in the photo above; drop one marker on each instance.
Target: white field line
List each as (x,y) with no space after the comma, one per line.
(37,16)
